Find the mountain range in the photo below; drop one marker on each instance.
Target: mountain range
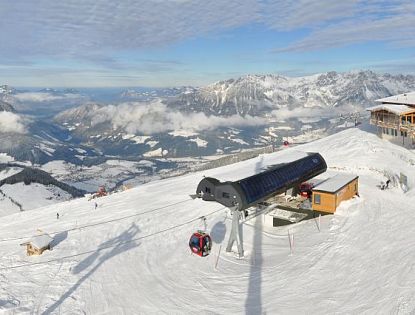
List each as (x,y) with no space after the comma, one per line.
(223,117)
(141,135)
(229,115)
(260,94)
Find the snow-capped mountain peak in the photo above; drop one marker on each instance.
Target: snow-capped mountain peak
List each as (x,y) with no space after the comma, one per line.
(257,94)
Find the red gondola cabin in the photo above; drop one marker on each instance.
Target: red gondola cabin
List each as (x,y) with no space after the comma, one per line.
(306,189)
(200,243)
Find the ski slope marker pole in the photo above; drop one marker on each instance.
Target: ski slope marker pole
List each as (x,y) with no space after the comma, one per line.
(292,242)
(319,222)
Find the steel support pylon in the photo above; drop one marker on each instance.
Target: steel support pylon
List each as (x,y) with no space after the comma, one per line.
(236,233)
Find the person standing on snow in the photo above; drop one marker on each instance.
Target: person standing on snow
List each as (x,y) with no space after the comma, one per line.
(57,215)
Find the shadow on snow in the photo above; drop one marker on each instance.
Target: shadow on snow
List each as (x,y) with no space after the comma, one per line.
(253,303)
(107,250)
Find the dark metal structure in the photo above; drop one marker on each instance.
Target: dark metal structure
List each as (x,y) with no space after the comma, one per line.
(247,192)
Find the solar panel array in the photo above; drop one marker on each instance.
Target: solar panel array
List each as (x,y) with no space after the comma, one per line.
(261,185)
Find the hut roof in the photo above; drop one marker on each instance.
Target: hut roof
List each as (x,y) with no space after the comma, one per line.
(335,183)
(41,241)
(396,109)
(405,98)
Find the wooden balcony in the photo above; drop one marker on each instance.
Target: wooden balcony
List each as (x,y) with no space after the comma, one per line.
(404,127)
(385,123)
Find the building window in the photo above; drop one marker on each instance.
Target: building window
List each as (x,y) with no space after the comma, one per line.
(402,133)
(396,133)
(317,198)
(406,134)
(275,222)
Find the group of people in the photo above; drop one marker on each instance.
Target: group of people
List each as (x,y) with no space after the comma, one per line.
(95,207)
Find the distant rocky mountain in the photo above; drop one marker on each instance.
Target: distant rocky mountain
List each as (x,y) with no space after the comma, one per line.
(41,102)
(80,114)
(254,95)
(43,142)
(92,125)
(6,107)
(257,95)
(6,90)
(6,93)
(87,133)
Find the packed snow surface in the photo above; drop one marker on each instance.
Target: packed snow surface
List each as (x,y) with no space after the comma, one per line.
(406,98)
(200,142)
(10,171)
(4,158)
(35,195)
(396,109)
(131,255)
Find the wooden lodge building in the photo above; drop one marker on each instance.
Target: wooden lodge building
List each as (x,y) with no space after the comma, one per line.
(328,194)
(395,119)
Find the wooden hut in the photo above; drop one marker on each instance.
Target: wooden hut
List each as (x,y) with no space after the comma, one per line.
(328,194)
(38,244)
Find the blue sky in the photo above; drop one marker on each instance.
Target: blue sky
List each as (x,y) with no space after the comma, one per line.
(94,43)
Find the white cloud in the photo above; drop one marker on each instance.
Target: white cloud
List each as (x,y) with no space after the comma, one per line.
(289,15)
(395,30)
(298,112)
(10,122)
(156,118)
(39,97)
(92,29)
(353,22)
(108,32)
(314,112)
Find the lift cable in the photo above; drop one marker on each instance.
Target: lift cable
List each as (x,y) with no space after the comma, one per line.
(112,245)
(99,223)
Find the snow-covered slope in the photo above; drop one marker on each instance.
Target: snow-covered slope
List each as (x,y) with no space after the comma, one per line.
(21,197)
(23,188)
(130,255)
(6,107)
